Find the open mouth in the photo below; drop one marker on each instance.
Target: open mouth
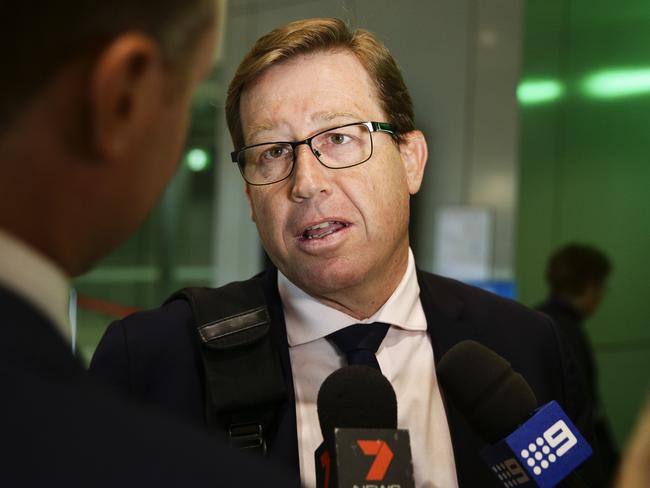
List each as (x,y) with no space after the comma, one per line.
(318,231)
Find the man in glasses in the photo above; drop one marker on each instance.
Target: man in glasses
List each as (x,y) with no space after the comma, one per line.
(323,129)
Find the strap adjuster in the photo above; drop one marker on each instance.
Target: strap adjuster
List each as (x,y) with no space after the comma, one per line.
(247,436)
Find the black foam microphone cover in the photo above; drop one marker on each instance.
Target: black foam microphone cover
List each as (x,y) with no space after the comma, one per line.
(356,397)
(494,398)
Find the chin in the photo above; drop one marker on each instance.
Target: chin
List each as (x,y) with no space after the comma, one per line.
(329,278)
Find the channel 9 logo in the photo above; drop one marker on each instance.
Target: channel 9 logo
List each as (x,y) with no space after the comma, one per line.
(541,452)
(554,443)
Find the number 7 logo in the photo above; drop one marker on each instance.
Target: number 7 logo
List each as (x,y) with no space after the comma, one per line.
(383,457)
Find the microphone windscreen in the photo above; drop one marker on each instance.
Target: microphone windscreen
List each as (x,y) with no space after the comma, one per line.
(356,397)
(494,398)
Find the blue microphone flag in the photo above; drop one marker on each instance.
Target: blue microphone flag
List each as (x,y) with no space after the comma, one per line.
(540,453)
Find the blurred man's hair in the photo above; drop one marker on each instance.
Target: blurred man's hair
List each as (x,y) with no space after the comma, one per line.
(575,266)
(40,36)
(323,35)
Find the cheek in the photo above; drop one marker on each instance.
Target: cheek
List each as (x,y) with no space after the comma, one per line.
(170,139)
(269,216)
(392,212)
(178,134)
(381,195)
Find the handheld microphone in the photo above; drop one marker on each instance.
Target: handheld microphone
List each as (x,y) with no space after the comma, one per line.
(362,447)
(532,447)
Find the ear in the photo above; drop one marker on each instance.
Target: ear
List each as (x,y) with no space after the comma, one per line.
(247,190)
(413,149)
(127,83)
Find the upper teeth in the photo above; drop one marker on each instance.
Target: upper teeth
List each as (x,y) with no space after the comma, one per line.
(319,226)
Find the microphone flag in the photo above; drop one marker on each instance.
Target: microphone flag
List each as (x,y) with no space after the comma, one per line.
(365,458)
(540,453)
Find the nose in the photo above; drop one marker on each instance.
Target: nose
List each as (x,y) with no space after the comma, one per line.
(310,177)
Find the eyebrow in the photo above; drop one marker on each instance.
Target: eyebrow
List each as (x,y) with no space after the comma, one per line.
(257,129)
(326,115)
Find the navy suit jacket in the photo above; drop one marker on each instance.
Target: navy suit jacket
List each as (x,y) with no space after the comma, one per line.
(58,428)
(154,356)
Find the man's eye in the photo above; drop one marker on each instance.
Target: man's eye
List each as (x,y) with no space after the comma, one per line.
(339,138)
(275,152)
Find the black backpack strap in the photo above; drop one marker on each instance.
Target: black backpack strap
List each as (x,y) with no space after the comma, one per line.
(244,382)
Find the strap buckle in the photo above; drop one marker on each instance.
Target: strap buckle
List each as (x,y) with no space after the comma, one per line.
(247,436)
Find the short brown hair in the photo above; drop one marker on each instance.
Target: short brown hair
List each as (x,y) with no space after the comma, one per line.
(40,36)
(317,35)
(575,266)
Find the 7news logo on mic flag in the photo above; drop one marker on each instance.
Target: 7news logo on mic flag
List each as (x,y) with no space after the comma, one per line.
(540,453)
(365,458)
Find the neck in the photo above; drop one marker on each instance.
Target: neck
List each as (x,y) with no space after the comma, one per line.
(32,229)
(575,304)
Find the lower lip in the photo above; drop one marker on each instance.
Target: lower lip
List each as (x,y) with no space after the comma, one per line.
(328,241)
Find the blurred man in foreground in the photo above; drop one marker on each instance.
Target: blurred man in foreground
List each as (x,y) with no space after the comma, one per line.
(576,275)
(325,140)
(93,109)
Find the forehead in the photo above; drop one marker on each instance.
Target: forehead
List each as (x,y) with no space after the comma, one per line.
(308,93)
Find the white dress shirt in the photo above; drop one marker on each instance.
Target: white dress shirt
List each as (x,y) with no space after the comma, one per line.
(35,278)
(405,357)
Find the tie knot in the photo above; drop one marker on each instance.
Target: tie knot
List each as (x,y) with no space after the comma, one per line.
(359,342)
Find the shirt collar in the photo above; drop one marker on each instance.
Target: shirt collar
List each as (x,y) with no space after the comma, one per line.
(37,279)
(308,319)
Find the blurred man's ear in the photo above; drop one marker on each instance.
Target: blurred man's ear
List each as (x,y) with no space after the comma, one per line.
(413,149)
(127,81)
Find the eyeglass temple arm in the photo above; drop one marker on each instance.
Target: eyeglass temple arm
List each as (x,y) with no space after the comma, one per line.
(383,127)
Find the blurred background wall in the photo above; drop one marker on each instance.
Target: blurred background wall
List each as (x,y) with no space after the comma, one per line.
(585,172)
(516,135)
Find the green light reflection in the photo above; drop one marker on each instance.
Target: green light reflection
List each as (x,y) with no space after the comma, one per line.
(617,83)
(197,159)
(536,91)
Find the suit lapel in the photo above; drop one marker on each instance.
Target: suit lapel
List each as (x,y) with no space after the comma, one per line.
(442,310)
(285,441)
(445,326)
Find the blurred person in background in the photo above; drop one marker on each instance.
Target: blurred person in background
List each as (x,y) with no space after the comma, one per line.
(577,279)
(94,102)
(324,136)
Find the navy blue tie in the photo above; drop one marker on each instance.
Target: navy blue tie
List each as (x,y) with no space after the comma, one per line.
(359,342)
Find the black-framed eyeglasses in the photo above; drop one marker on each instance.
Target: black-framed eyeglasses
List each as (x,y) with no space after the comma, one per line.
(336,148)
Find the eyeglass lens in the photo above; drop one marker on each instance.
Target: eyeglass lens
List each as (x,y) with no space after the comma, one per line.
(337,148)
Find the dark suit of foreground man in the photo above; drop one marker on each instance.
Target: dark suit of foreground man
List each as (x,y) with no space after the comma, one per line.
(93,109)
(322,124)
